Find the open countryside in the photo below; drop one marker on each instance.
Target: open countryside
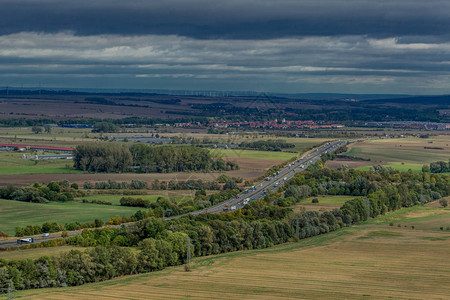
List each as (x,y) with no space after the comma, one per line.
(224,149)
(365,261)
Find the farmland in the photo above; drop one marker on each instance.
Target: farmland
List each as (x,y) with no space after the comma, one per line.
(414,151)
(13,164)
(115,199)
(326,203)
(36,253)
(369,261)
(266,155)
(16,213)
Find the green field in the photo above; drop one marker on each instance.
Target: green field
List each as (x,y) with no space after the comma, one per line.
(269,155)
(36,253)
(12,163)
(303,144)
(369,261)
(403,168)
(326,203)
(57,133)
(329,199)
(16,213)
(115,199)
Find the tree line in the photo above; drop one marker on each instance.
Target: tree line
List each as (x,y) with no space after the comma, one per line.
(61,191)
(267,145)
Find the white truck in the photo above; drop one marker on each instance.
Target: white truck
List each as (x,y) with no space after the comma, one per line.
(25,241)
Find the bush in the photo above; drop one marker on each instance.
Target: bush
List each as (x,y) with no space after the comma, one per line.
(315,200)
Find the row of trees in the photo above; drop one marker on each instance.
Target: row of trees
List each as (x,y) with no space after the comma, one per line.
(190,184)
(267,145)
(107,157)
(53,191)
(135,184)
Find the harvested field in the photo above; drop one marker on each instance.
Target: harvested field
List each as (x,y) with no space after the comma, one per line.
(369,261)
(403,150)
(334,164)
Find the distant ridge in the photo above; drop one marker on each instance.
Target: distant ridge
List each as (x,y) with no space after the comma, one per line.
(206,93)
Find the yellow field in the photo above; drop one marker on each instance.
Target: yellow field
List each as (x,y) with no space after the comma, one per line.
(370,261)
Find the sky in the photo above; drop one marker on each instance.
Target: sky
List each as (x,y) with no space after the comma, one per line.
(288,46)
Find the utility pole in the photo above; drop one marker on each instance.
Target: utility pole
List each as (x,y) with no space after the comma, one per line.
(10,290)
(367,202)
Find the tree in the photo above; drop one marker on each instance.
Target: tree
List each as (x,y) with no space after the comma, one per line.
(443,203)
(104,127)
(37,129)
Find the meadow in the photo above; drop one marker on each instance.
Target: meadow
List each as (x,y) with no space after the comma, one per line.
(16,213)
(12,163)
(36,253)
(369,261)
(326,203)
(115,199)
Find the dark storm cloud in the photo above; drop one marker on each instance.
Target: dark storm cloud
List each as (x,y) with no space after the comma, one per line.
(363,46)
(243,19)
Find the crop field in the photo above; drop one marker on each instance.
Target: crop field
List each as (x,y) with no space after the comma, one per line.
(369,261)
(115,199)
(410,151)
(12,163)
(267,155)
(16,213)
(326,203)
(56,133)
(36,253)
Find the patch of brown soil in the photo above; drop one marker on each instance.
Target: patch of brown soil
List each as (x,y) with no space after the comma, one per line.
(334,164)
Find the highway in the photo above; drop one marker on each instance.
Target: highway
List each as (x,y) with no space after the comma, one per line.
(257,192)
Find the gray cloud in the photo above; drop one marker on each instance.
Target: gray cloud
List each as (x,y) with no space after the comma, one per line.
(242,19)
(286,45)
(289,64)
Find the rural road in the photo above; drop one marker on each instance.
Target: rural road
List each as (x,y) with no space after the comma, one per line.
(257,192)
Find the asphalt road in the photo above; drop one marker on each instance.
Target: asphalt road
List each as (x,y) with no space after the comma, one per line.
(257,192)
(260,189)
